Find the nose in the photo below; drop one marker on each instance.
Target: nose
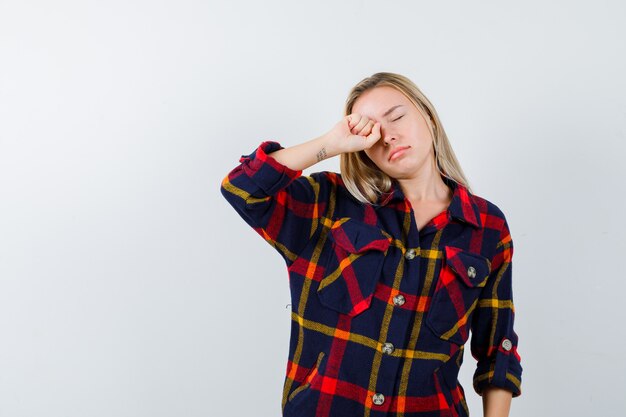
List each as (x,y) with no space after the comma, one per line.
(388,136)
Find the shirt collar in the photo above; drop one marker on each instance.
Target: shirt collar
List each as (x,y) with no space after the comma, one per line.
(462,206)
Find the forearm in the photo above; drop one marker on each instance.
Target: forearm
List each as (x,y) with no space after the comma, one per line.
(496,402)
(307,154)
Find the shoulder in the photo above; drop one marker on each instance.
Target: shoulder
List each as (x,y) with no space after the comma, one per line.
(319,185)
(493,218)
(329,187)
(326,176)
(487,207)
(326,179)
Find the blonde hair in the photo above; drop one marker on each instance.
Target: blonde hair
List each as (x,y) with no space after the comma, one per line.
(365,181)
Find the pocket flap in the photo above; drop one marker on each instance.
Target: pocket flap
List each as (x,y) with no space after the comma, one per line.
(471,267)
(357,237)
(353,266)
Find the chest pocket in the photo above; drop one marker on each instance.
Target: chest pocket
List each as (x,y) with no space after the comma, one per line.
(462,276)
(353,267)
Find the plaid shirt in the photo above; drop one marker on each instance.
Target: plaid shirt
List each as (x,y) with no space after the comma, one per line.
(381,311)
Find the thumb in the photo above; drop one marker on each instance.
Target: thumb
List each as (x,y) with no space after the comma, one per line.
(349,120)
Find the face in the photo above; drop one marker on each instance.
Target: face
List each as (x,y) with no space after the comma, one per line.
(405,149)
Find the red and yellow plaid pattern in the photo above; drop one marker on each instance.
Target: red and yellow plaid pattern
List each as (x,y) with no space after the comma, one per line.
(381,311)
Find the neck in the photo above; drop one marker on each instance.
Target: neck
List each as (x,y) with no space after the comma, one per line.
(426,186)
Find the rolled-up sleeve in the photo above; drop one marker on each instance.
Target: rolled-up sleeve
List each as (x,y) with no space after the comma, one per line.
(494,341)
(281,204)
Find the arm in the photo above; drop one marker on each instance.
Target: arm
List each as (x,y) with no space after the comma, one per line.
(496,402)
(270,194)
(346,136)
(279,203)
(494,341)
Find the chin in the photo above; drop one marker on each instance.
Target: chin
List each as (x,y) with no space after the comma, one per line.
(398,175)
(401,171)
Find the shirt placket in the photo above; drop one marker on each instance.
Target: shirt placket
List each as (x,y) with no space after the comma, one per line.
(397,335)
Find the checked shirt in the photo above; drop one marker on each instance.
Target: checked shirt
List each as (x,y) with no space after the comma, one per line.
(380,310)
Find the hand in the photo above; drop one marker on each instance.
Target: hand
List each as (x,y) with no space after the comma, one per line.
(354,133)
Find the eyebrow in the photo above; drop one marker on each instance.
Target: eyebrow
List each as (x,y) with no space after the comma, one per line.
(391,109)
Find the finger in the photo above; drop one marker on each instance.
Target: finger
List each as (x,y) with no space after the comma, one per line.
(353,119)
(360,125)
(373,137)
(367,129)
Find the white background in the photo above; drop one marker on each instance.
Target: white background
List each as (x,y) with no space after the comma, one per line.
(129,287)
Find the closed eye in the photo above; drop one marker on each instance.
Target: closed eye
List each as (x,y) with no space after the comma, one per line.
(397,118)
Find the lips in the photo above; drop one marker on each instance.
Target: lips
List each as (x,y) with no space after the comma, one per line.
(397,150)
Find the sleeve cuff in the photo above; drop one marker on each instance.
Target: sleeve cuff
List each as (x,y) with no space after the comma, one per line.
(503,372)
(266,172)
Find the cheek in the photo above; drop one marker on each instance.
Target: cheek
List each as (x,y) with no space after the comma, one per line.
(374,154)
(423,132)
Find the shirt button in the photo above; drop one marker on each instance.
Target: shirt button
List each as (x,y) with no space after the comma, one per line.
(378,398)
(471,272)
(388,348)
(399,300)
(410,254)
(507,345)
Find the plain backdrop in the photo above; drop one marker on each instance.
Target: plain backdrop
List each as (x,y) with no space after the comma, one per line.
(129,287)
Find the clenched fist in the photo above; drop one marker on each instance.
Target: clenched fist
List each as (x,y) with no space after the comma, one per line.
(354,133)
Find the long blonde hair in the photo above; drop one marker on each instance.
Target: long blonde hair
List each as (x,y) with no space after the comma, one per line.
(365,181)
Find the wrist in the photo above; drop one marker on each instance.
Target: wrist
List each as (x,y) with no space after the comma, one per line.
(327,147)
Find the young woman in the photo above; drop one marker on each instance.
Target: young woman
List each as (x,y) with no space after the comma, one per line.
(391,263)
